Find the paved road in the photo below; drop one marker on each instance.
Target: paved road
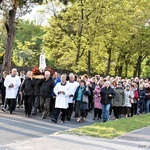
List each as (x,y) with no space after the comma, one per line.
(21,133)
(17,127)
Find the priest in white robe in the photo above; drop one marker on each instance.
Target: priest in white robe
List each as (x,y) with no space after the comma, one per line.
(61,91)
(12,83)
(72,88)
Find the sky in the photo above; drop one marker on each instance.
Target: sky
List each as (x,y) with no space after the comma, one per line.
(41,14)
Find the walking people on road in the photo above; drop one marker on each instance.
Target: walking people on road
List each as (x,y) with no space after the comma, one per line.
(97,103)
(12,83)
(27,89)
(147,89)
(46,86)
(61,91)
(128,96)
(118,100)
(72,88)
(81,98)
(107,94)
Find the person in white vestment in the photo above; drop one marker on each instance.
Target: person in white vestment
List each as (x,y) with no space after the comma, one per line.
(12,83)
(61,91)
(72,88)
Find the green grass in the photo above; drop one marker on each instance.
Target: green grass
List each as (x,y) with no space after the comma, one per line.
(112,129)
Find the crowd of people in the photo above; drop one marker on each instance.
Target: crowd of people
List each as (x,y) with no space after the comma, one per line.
(61,95)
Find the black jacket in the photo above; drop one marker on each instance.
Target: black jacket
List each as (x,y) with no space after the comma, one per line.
(28,86)
(105,98)
(46,87)
(36,88)
(142,94)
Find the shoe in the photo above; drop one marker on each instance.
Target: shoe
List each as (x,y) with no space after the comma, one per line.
(62,122)
(18,106)
(28,115)
(98,118)
(3,109)
(94,118)
(68,118)
(10,112)
(78,119)
(33,114)
(83,119)
(104,121)
(54,120)
(43,116)
(25,115)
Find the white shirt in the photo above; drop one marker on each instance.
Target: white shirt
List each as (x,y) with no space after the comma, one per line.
(72,89)
(11,92)
(61,99)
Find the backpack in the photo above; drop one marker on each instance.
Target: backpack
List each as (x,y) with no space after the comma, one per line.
(136,94)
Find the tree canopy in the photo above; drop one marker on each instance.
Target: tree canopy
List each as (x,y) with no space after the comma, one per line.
(105,37)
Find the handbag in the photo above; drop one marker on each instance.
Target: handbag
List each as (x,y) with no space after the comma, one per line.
(131,100)
(85,99)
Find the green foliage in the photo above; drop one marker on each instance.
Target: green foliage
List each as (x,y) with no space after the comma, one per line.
(113,31)
(2,42)
(112,129)
(28,44)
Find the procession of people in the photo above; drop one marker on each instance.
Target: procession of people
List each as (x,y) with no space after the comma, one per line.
(71,96)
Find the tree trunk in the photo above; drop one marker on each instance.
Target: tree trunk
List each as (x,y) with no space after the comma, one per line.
(89,63)
(137,70)
(80,29)
(120,68)
(139,66)
(109,61)
(126,68)
(10,27)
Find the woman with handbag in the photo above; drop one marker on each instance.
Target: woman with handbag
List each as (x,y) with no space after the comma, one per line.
(81,98)
(128,96)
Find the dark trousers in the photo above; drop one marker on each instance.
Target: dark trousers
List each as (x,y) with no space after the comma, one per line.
(110,110)
(20,101)
(28,102)
(3,98)
(57,112)
(11,104)
(117,111)
(140,107)
(97,112)
(80,112)
(36,103)
(69,110)
(52,106)
(127,110)
(133,109)
(45,104)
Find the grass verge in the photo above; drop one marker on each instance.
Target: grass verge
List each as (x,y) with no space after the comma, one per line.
(112,129)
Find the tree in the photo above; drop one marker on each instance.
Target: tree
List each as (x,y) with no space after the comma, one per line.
(27,44)
(96,36)
(11,9)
